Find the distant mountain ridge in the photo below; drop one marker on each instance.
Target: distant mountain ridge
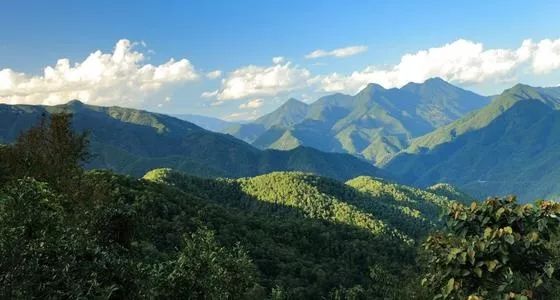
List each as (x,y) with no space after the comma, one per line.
(208,123)
(374,124)
(133,141)
(511,146)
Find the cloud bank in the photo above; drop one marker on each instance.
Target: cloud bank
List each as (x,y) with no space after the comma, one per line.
(258,81)
(120,77)
(462,61)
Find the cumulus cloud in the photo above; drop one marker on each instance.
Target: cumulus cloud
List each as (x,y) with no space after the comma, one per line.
(340,52)
(255,103)
(214,74)
(546,55)
(278,59)
(120,77)
(461,61)
(258,81)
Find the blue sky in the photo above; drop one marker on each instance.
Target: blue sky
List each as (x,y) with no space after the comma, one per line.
(478,45)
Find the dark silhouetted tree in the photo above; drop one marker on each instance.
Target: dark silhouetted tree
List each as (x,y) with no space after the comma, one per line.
(50,151)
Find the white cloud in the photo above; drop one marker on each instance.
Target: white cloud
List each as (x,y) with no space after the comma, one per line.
(211,94)
(278,60)
(120,78)
(461,61)
(340,52)
(242,116)
(258,81)
(255,103)
(214,74)
(546,55)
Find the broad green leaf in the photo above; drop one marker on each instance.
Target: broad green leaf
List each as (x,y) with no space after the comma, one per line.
(491,264)
(478,272)
(510,239)
(449,287)
(500,211)
(549,270)
(487,232)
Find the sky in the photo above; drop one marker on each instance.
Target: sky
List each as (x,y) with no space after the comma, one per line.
(237,60)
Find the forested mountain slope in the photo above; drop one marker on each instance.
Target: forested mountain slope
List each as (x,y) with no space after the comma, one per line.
(67,233)
(384,220)
(133,141)
(373,124)
(511,146)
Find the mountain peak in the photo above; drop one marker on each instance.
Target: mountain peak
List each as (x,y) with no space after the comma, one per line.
(374,86)
(430,82)
(522,90)
(75,102)
(371,88)
(293,101)
(289,113)
(436,80)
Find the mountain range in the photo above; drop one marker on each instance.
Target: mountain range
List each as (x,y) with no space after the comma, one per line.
(511,146)
(133,142)
(208,123)
(430,132)
(374,124)
(420,134)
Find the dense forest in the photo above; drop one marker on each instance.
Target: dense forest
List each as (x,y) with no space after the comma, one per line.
(70,233)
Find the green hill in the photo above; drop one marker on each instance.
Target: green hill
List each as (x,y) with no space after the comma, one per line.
(374,124)
(67,233)
(509,147)
(289,219)
(133,141)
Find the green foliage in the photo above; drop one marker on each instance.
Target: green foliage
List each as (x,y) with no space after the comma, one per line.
(283,235)
(403,215)
(496,250)
(204,270)
(4,171)
(414,211)
(46,253)
(49,151)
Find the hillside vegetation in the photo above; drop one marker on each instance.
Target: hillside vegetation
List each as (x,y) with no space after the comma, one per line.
(133,142)
(509,147)
(374,124)
(68,233)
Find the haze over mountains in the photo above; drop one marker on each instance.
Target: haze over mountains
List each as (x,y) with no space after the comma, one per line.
(208,123)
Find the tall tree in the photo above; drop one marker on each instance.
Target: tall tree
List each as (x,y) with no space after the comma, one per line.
(50,151)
